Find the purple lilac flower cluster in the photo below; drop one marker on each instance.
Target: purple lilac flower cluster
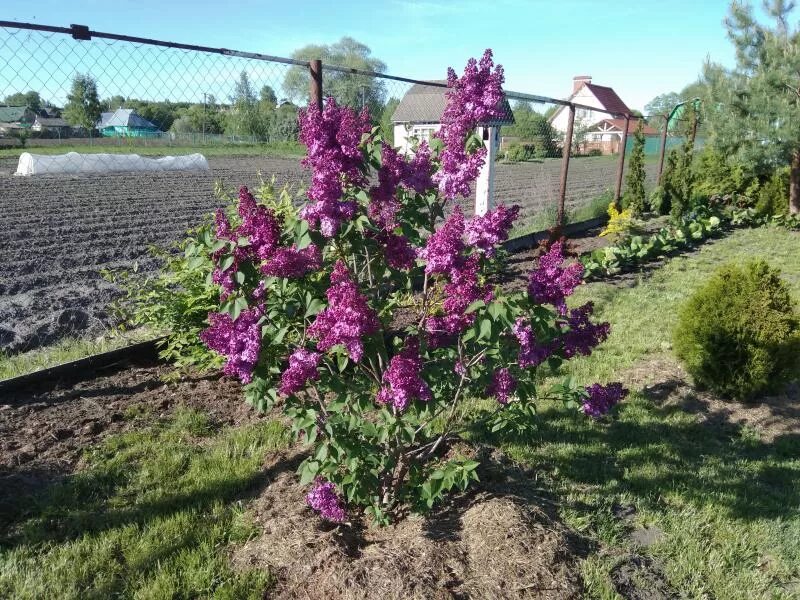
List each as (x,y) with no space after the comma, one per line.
(581,335)
(531,353)
(262,228)
(347,318)
(395,170)
(323,498)
(239,341)
(461,291)
(259,224)
(384,205)
(292,263)
(550,283)
(476,97)
(398,251)
(302,368)
(442,251)
(601,398)
(485,232)
(332,137)
(402,382)
(502,386)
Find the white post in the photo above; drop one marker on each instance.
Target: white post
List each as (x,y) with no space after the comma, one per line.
(484,188)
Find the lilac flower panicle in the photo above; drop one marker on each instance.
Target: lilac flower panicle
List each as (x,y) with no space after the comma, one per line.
(602,398)
(398,251)
(487,231)
(402,381)
(332,137)
(259,224)
(444,247)
(293,263)
(302,368)
(550,283)
(462,290)
(503,385)
(418,173)
(347,318)
(581,335)
(239,341)
(383,201)
(476,97)
(323,498)
(531,353)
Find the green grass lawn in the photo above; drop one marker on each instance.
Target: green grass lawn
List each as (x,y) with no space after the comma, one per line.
(154,512)
(150,517)
(274,149)
(728,503)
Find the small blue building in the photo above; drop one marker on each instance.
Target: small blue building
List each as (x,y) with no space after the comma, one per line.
(124,122)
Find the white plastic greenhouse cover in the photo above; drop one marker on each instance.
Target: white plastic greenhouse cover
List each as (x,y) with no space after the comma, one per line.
(74,163)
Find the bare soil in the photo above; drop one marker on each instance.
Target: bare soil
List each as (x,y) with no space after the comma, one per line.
(60,232)
(664,381)
(498,541)
(43,432)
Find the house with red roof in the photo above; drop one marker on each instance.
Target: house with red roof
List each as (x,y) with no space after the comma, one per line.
(601,129)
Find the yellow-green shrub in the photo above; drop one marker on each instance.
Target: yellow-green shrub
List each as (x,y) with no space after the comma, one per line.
(739,335)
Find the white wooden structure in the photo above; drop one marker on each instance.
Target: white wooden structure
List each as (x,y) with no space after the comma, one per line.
(418,117)
(592,95)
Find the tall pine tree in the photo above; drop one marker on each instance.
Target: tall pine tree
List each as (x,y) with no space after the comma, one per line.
(755,108)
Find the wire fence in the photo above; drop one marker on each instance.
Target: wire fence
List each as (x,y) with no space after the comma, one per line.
(82,103)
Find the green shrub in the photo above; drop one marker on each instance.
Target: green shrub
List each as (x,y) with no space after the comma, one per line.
(716,174)
(517,152)
(739,336)
(595,152)
(773,197)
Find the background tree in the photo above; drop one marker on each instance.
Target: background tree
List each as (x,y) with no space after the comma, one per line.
(755,107)
(387,127)
(268,95)
(533,129)
(662,104)
(356,91)
(246,118)
(634,197)
(30,99)
(83,105)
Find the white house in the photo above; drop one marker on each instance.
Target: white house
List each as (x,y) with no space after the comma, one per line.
(590,94)
(419,116)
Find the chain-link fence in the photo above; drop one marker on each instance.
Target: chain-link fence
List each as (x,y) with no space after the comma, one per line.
(83,103)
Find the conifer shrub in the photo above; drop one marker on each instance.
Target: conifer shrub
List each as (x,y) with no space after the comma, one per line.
(739,335)
(773,197)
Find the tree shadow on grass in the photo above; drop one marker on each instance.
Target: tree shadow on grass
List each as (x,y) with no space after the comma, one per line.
(88,503)
(657,448)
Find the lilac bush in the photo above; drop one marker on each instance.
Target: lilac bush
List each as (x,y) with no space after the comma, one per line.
(370,317)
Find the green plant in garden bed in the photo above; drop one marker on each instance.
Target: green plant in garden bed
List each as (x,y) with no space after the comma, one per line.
(638,249)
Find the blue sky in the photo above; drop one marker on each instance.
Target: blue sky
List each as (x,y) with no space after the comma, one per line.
(640,48)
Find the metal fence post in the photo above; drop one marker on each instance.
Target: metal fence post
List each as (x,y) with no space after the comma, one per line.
(315,68)
(566,151)
(663,148)
(621,168)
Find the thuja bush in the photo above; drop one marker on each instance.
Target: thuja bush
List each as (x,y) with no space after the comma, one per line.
(739,335)
(369,319)
(634,197)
